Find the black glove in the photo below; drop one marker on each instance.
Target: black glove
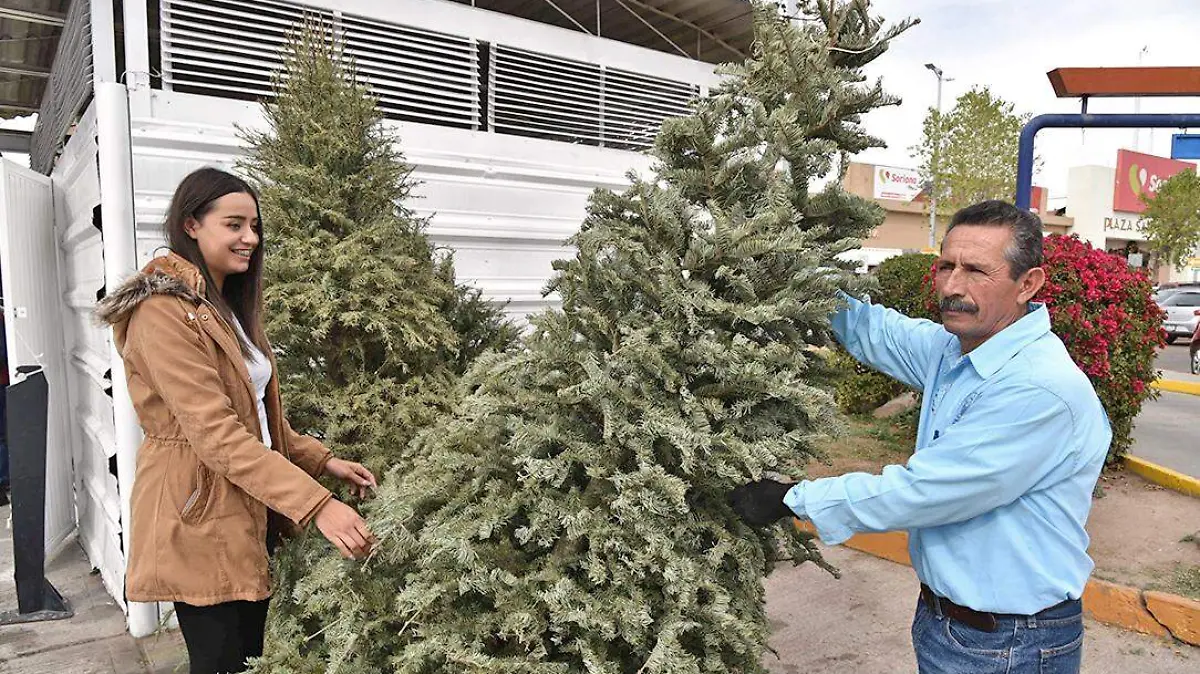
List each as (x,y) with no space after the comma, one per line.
(761,503)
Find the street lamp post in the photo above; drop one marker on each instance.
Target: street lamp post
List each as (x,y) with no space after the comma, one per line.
(933,160)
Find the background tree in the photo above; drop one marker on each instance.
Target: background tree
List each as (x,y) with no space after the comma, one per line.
(1173,218)
(571,515)
(970,152)
(903,285)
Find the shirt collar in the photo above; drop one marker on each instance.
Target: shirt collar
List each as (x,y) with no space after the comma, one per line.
(989,357)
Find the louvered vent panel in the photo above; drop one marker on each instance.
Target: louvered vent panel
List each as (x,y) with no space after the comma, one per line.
(230,49)
(68,89)
(544,96)
(635,106)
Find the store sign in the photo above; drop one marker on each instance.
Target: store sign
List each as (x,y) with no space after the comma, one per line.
(896,183)
(1037,200)
(1139,176)
(1117,224)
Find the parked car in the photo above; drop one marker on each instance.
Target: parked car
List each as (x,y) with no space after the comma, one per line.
(1195,351)
(1165,290)
(1183,314)
(1162,294)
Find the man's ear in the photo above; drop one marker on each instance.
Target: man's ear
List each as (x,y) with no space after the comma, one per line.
(1031,283)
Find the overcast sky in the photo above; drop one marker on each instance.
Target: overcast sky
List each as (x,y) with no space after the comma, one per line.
(1009,46)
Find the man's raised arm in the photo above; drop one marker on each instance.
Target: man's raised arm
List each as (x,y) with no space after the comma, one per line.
(901,347)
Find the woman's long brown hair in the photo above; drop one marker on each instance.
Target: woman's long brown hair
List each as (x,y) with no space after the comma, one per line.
(241,297)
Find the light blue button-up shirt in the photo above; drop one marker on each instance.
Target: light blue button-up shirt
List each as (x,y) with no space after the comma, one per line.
(1011,441)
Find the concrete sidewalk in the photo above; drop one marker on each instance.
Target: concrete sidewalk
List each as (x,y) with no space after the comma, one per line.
(860,625)
(94,641)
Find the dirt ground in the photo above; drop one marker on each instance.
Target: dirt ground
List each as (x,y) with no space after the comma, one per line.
(1145,536)
(867,447)
(860,625)
(1142,535)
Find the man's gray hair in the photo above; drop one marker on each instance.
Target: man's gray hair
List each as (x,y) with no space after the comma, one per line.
(1025,250)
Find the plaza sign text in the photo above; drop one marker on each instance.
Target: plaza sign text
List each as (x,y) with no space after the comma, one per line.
(1118,225)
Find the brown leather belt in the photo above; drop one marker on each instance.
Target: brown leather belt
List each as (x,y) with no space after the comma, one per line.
(985,622)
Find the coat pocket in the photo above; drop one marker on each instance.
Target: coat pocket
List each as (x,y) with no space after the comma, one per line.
(193,508)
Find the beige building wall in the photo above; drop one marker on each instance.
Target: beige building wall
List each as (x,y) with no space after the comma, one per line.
(906,224)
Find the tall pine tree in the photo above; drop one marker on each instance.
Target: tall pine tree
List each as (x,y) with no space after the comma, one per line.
(571,517)
(370,330)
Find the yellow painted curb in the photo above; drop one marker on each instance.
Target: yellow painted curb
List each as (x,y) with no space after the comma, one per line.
(1176,386)
(1121,606)
(1163,476)
(1179,614)
(1155,613)
(890,545)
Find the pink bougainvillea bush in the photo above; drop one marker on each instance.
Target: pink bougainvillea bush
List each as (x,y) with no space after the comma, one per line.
(1104,312)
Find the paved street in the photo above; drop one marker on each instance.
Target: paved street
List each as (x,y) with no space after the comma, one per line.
(1173,358)
(1166,432)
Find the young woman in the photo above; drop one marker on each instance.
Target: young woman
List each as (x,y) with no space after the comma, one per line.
(221,474)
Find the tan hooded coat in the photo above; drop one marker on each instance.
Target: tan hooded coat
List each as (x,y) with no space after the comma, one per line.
(204,480)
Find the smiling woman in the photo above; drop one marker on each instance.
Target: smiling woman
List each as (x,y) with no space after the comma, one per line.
(213,223)
(228,234)
(222,475)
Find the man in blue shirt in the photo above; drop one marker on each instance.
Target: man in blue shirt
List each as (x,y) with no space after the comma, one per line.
(1011,441)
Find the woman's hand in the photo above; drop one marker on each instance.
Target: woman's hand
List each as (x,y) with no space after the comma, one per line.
(344,528)
(353,474)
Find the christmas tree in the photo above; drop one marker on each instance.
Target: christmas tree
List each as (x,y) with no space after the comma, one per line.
(370,329)
(571,515)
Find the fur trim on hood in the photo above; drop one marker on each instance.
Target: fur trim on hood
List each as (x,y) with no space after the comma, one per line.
(163,276)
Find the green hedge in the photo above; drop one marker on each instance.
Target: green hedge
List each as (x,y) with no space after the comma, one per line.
(903,286)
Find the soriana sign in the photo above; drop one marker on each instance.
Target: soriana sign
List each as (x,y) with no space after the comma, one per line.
(1139,177)
(896,183)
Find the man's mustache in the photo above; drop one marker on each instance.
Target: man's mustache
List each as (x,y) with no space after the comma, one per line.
(957,303)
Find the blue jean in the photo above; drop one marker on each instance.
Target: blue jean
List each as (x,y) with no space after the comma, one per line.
(1050,642)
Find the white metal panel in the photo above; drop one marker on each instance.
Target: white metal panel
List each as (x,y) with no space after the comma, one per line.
(432,74)
(495,27)
(33,323)
(535,94)
(76,196)
(232,48)
(504,204)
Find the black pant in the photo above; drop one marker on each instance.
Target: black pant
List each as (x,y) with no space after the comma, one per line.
(221,637)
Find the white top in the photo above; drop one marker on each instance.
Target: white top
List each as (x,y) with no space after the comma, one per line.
(260,375)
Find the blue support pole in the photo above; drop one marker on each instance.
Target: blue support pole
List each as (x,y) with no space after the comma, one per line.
(1123,121)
